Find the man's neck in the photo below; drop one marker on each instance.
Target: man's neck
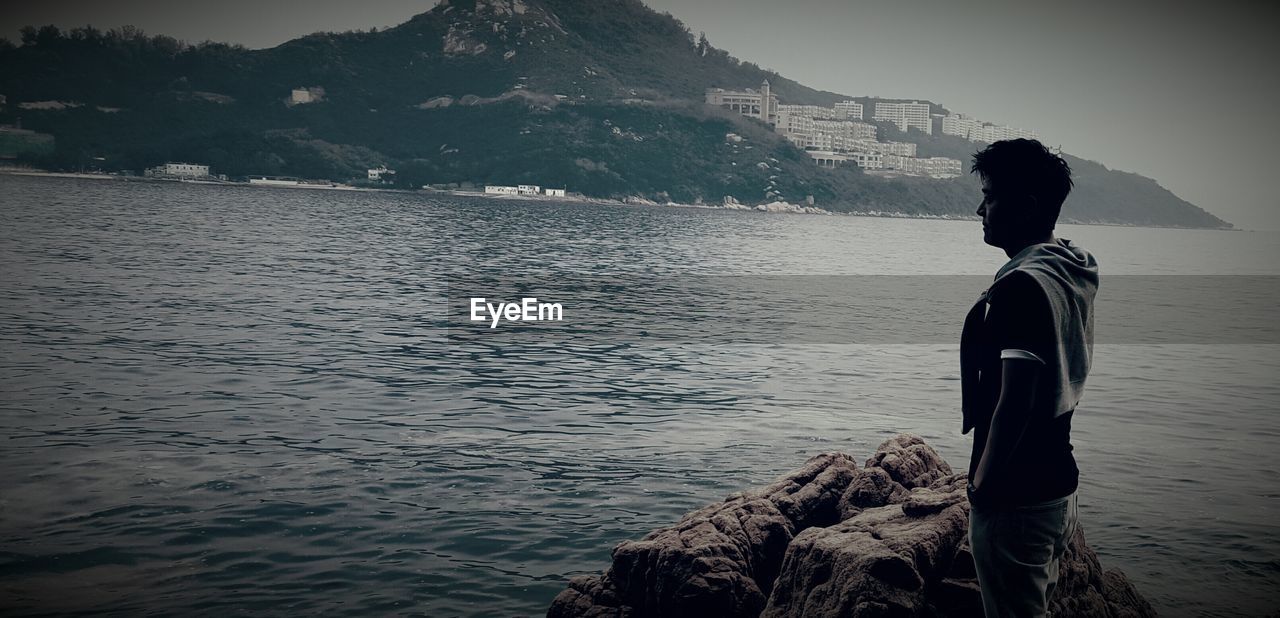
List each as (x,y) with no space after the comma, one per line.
(1017,248)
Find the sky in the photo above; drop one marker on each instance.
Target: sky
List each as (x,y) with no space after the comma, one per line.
(1182,92)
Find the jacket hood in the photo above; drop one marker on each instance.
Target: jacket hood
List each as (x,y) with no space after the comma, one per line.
(1063,260)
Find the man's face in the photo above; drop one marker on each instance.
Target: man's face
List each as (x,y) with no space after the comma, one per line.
(1000,218)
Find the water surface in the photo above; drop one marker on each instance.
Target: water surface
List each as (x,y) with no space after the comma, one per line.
(224,399)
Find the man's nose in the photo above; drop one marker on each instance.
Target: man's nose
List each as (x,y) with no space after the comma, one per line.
(982,212)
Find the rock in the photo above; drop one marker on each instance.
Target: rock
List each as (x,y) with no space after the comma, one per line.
(957,597)
(909,461)
(830,540)
(1084,589)
(589,597)
(457,42)
(873,488)
(1123,599)
(881,562)
(720,560)
(811,495)
(436,102)
(943,493)
(962,567)
(901,464)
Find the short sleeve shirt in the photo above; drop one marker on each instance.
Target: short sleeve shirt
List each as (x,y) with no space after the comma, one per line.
(1019,324)
(1019,320)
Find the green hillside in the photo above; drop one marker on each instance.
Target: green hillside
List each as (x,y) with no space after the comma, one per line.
(603,97)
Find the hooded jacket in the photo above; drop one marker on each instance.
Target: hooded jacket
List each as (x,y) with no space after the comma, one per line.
(1068,276)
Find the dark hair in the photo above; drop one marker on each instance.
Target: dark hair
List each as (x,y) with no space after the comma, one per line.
(1026,166)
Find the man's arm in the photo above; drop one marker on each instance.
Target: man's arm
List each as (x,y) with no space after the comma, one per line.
(1018,381)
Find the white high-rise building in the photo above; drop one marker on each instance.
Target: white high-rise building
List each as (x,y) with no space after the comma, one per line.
(934,167)
(902,149)
(994,133)
(846,128)
(822,134)
(975,130)
(905,115)
(808,111)
(848,110)
(793,123)
(960,125)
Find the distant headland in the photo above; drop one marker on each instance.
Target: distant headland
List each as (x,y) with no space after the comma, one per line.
(609,100)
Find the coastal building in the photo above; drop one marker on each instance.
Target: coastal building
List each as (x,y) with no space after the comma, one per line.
(827,159)
(272,181)
(905,115)
(832,139)
(868,160)
(810,133)
(995,133)
(380,174)
(960,125)
(838,142)
(178,170)
(844,110)
(831,159)
(933,167)
(522,190)
(808,111)
(792,122)
(802,141)
(848,110)
(976,130)
(823,142)
(762,104)
(902,149)
(848,129)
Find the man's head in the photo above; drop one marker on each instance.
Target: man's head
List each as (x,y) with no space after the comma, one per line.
(1023,187)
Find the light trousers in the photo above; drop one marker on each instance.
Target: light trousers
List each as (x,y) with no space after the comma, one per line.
(1017,550)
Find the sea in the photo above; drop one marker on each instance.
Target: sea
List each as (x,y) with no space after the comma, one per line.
(230,399)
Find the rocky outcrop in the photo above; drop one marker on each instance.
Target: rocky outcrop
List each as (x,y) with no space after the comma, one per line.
(830,539)
(720,560)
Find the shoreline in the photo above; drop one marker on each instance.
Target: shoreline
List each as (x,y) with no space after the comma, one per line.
(778,207)
(775,207)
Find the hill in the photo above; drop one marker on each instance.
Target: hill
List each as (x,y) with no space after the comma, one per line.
(603,97)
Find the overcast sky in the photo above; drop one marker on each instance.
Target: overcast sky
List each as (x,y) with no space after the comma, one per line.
(1179,91)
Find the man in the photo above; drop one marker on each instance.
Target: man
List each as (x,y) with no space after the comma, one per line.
(1024,354)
